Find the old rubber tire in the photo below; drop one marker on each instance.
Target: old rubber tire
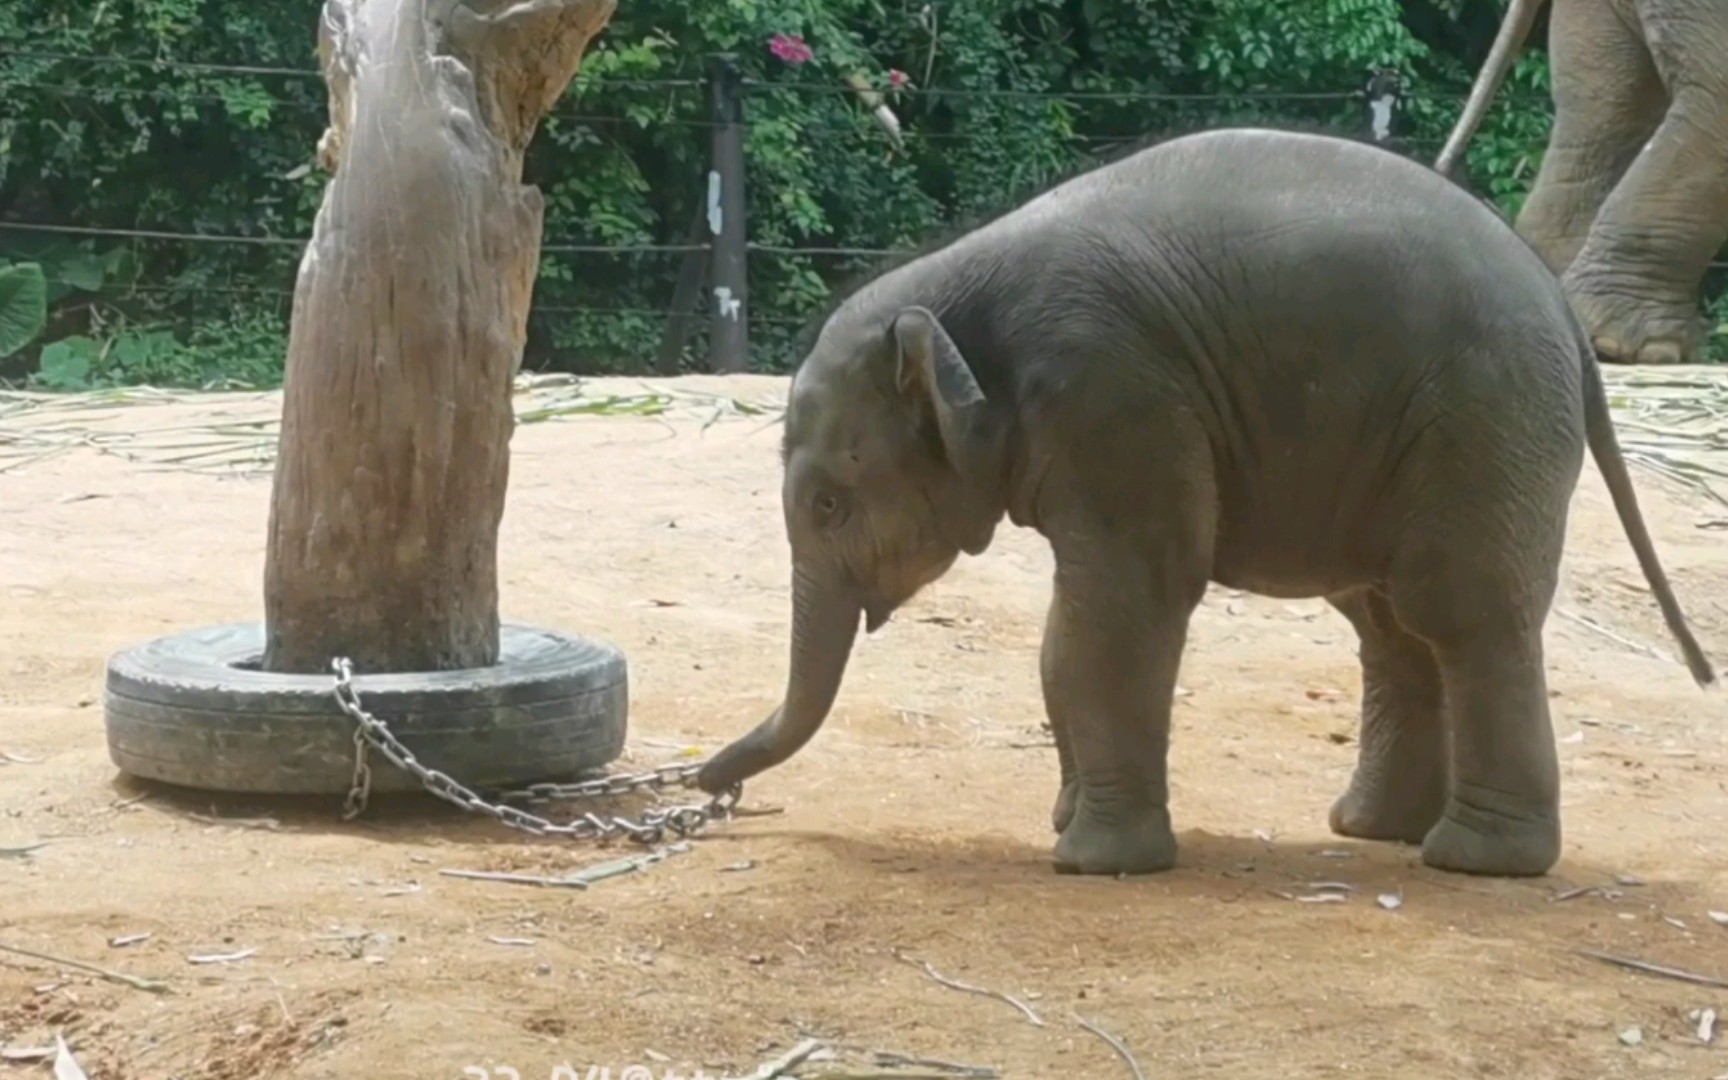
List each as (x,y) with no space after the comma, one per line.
(193,709)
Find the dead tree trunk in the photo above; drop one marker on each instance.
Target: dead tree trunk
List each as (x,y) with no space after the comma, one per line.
(410,315)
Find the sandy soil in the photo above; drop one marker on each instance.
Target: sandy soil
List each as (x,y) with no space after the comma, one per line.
(917,822)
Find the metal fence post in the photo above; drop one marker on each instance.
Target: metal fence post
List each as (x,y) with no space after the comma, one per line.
(728,276)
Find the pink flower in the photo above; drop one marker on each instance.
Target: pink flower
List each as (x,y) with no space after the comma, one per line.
(790,48)
(898,79)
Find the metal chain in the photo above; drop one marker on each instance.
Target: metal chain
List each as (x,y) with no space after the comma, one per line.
(370,733)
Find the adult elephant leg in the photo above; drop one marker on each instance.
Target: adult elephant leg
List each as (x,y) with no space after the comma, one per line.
(1608,100)
(1399,789)
(1063,812)
(1113,644)
(1635,282)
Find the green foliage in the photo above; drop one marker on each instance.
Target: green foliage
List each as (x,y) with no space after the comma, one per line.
(1716,345)
(1003,98)
(66,364)
(23,306)
(1506,152)
(240,352)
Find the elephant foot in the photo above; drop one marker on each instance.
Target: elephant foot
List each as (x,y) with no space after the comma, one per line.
(1130,841)
(1402,813)
(1063,812)
(1473,839)
(1631,330)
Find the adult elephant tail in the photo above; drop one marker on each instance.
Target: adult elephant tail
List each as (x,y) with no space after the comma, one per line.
(1513,30)
(1605,448)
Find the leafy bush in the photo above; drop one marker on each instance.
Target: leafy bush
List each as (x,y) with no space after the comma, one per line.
(242,351)
(23,306)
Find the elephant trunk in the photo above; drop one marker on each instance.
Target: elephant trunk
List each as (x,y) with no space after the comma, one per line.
(824,627)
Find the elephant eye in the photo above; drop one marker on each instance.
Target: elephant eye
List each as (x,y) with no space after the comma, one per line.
(827,507)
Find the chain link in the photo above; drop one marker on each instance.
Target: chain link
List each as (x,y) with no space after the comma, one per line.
(370,733)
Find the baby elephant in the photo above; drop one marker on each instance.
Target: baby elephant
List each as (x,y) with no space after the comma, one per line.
(1290,364)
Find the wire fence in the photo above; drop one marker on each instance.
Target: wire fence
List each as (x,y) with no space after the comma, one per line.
(46,78)
(791,85)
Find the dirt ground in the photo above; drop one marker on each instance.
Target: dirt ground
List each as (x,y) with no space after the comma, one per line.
(914,829)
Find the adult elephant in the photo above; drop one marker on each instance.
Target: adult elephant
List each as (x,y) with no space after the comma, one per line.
(1631,202)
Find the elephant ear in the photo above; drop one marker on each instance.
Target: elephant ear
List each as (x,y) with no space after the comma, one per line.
(974,434)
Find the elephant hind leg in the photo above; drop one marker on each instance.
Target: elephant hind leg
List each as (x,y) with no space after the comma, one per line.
(1608,100)
(1399,789)
(1481,607)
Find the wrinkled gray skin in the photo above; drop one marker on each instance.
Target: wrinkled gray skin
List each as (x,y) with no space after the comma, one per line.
(1286,363)
(1631,202)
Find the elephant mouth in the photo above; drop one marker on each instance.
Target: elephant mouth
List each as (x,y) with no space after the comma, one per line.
(876,614)
(896,582)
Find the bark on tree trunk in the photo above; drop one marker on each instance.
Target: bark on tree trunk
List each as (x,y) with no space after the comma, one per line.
(410,314)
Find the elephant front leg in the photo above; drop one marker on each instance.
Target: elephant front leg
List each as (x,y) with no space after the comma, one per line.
(1399,789)
(1112,647)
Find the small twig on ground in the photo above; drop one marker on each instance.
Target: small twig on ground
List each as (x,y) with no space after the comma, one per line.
(894,1073)
(1591,624)
(581,879)
(66,1067)
(238,822)
(221,958)
(893,1057)
(786,1062)
(26,1053)
(757,811)
(892,1060)
(151,986)
(515,879)
(966,988)
(1655,969)
(1116,1044)
(626,866)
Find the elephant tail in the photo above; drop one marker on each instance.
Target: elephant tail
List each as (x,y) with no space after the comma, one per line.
(1605,448)
(1520,17)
